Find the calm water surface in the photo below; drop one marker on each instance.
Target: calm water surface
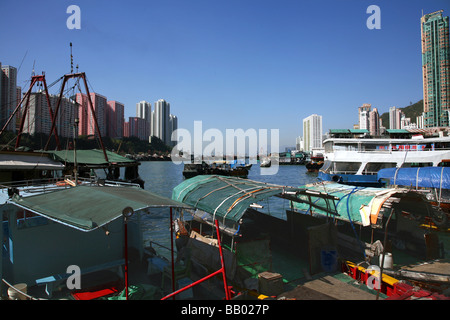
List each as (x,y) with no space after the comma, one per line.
(162,177)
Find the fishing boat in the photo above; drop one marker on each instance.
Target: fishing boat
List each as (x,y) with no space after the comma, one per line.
(81,163)
(223,168)
(270,254)
(23,167)
(315,163)
(434,182)
(67,242)
(265,162)
(356,160)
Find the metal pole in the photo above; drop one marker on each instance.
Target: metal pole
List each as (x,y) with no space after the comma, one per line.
(171,251)
(126,258)
(222,261)
(127,213)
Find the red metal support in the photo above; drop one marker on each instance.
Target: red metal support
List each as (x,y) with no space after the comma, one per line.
(34,80)
(83,76)
(221,270)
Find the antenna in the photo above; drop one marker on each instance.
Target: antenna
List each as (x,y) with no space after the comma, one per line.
(71,59)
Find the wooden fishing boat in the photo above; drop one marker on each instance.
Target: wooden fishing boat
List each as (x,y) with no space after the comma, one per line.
(269,255)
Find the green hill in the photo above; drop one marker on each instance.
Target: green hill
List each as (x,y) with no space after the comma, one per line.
(412,111)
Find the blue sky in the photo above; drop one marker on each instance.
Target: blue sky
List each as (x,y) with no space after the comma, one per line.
(230,63)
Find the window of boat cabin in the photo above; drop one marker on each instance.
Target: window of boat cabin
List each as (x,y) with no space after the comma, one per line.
(444,163)
(328,146)
(417,164)
(342,146)
(374,167)
(375,147)
(346,167)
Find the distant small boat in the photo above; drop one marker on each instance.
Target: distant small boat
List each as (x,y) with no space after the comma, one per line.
(315,164)
(218,168)
(265,163)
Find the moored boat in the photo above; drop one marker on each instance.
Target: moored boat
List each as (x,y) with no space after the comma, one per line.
(356,161)
(300,244)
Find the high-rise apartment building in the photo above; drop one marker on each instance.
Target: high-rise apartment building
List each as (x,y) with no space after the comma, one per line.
(138,128)
(312,132)
(87,124)
(363,115)
(115,119)
(173,123)
(8,96)
(144,111)
(160,124)
(38,120)
(374,122)
(435,69)
(395,118)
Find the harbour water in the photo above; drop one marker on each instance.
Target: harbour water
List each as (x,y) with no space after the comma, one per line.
(162,176)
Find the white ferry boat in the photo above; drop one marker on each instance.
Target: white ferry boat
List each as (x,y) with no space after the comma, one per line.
(356,161)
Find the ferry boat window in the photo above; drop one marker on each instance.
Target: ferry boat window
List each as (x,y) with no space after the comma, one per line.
(417,164)
(374,147)
(374,167)
(444,163)
(328,146)
(347,167)
(345,147)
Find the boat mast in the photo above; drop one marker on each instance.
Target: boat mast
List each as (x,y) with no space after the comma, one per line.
(34,80)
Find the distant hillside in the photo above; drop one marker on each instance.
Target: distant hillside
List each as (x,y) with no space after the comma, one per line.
(411,111)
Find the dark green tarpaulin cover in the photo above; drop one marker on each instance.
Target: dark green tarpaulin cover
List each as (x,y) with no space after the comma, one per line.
(225,198)
(89,157)
(89,207)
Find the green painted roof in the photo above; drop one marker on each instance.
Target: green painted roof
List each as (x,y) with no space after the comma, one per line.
(359,131)
(397,131)
(225,198)
(339,131)
(89,207)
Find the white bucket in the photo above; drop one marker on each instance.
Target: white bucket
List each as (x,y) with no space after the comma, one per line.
(388,261)
(15,295)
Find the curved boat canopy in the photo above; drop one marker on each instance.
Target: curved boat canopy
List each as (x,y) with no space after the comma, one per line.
(426,177)
(228,198)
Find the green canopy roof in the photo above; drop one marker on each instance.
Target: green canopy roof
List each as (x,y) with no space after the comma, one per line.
(93,157)
(225,198)
(89,207)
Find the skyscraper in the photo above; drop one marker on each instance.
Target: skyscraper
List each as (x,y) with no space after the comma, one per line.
(395,118)
(87,124)
(363,115)
(374,122)
(160,124)
(8,96)
(144,111)
(435,69)
(312,132)
(38,120)
(173,122)
(114,119)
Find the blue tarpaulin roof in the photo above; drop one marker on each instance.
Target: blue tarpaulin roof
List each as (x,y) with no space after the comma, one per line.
(426,177)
